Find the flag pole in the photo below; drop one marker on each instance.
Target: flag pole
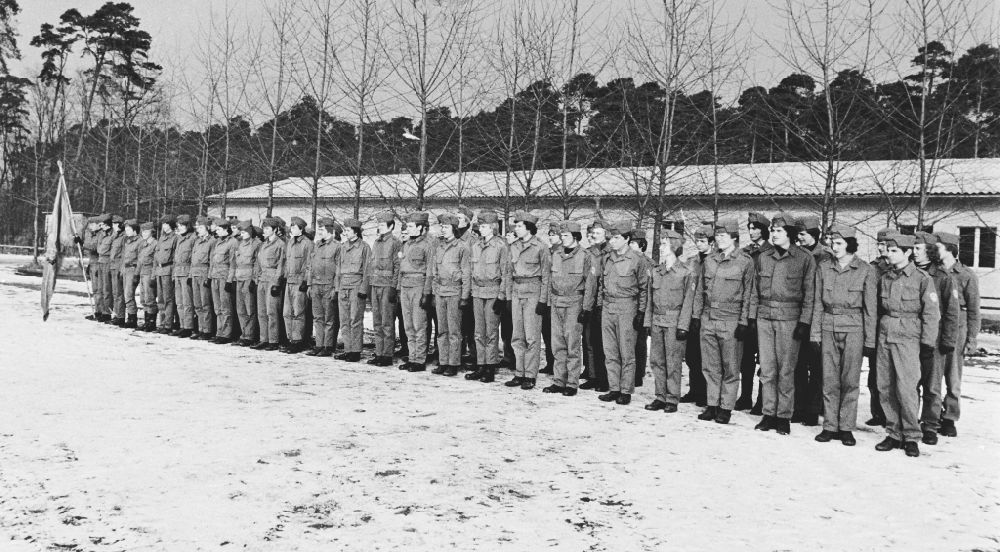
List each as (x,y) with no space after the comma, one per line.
(79,250)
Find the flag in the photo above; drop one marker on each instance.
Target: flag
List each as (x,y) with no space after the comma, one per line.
(60,230)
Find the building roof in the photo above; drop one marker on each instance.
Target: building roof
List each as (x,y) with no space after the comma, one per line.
(965,177)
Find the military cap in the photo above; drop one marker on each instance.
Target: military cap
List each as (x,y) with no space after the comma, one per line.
(134,223)
(524,216)
(297,221)
(842,231)
(924,237)
(418,217)
(168,219)
(245,226)
(785,219)
(598,223)
(117,219)
(184,219)
(386,217)
(447,218)
(620,227)
(330,224)
(727,225)
(900,240)
(203,221)
(105,218)
(487,217)
(352,223)
(147,226)
(808,222)
(883,233)
(757,218)
(569,226)
(947,238)
(704,231)
(281,221)
(222,221)
(271,222)
(465,211)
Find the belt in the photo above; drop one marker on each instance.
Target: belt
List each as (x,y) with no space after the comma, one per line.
(525,279)
(842,310)
(570,294)
(724,304)
(162,265)
(620,299)
(128,266)
(904,316)
(779,304)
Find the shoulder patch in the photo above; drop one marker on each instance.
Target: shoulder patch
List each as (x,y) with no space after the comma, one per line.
(954,293)
(934,297)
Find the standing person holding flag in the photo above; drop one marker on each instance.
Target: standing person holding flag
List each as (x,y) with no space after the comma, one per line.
(61,232)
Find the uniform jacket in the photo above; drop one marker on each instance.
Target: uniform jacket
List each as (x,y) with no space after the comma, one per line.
(846,300)
(908,306)
(574,279)
(451,271)
(624,280)
(948,303)
(297,253)
(90,240)
(323,262)
(385,261)
(202,251)
(130,252)
(182,255)
(223,259)
(105,239)
(671,296)
(785,284)
(116,250)
(490,266)
(729,285)
(754,251)
(529,269)
(415,260)
(967,285)
(164,257)
(147,252)
(246,260)
(353,269)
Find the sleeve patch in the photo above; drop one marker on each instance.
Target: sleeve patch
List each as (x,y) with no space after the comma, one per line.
(934,297)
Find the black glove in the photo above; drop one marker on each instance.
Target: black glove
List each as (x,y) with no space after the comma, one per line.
(207,283)
(681,335)
(463,303)
(253,286)
(541,308)
(229,287)
(741,332)
(190,279)
(869,352)
(275,291)
(498,306)
(752,324)
(695,326)
(152,284)
(946,349)
(426,302)
(78,240)
(135,280)
(362,295)
(303,287)
(637,322)
(817,347)
(583,317)
(801,332)
(392,295)
(926,351)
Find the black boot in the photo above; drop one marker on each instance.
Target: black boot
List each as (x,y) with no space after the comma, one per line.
(475,374)
(766,424)
(888,444)
(708,414)
(723,415)
(930,436)
(826,436)
(947,428)
(553,389)
(132,322)
(609,396)
(782,426)
(450,371)
(527,384)
(489,373)
(911,448)
(514,382)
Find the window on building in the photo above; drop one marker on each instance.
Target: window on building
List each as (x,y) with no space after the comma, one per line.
(910,229)
(977,246)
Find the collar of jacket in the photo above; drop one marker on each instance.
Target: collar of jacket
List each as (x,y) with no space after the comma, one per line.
(662,267)
(383,237)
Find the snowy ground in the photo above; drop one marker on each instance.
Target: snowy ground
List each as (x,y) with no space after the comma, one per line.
(116,440)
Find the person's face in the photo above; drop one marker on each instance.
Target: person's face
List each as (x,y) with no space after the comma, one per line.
(383,228)
(520,230)
(182,228)
(221,231)
(350,234)
(897,257)
(839,246)
(117,226)
(294,230)
(268,232)
(723,241)
(555,238)
(92,226)
(598,235)
(411,230)
(754,232)
(805,238)
(779,237)
(943,251)
(634,246)
(617,242)
(146,234)
(201,230)
(129,231)
(165,228)
(702,244)
(511,237)
(567,240)
(920,253)
(322,233)
(880,246)
(486,230)
(447,231)
(666,251)
(462,220)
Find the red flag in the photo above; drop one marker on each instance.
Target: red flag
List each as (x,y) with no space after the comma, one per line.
(60,229)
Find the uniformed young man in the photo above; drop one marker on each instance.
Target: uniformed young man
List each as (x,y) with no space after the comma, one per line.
(105,239)
(452,286)
(467,233)
(222,272)
(758,227)
(416,257)
(670,303)
(147,276)
(809,367)
(385,285)
(508,360)
(843,329)
(270,285)
(881,266)
(490,258)
(88,244)
(115,269)
(907,328)
(246,285)
(623,294)
(202,250)
(639,244)
(297,252)
(925,256)
(729,297)
(183,282)
(967,286)
(572,295)
(130,271)
(322,271)
(527,291)
(555,244)
(352,284)
(593,345)
(166,304)
(704,242)
(785,278)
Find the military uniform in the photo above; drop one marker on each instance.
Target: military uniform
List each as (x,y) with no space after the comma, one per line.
(352,283)
(202,251)
(692,347)
(297,252)
(89,248)
(115,269)
(416,257)
(222,272)
(908,322)
(809,367)
(183,282)
(572,292)
(164,258)
(729,297)
(104,243)
(527,291)
(843,322)
(147,278)
(593,342)
(967,288)
(750,345)
(322,271)
(130,275)
(385,282)
(271,288)
(490,261)
(669,306)
(469,345)
(244,276)
(547,319)
(881,266)
(452,285)
(623,293)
